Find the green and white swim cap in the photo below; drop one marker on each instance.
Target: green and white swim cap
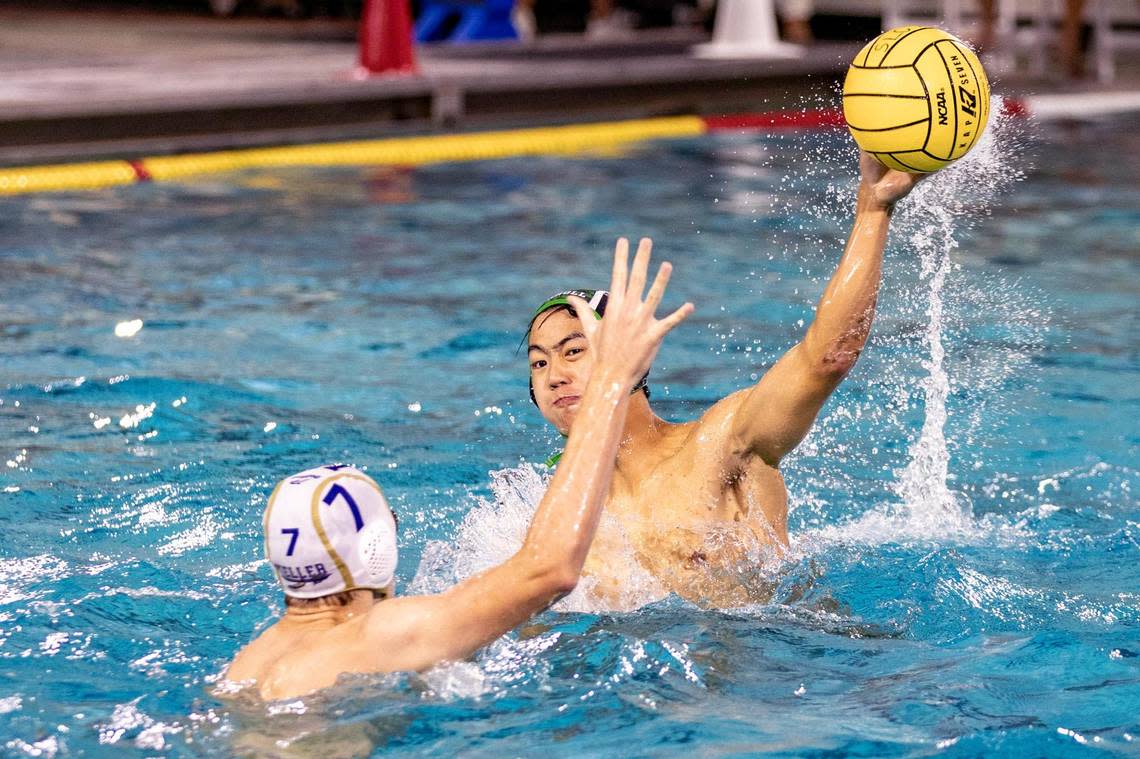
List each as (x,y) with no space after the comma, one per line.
(328,530)
(597,299)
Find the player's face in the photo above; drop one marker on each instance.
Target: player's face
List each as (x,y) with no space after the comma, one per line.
(560,365)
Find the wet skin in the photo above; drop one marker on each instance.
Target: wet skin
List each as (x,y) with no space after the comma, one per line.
(318,641)
(699,506)
(691,512)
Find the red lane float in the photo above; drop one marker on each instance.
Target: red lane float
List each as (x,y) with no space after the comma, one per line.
(804,119)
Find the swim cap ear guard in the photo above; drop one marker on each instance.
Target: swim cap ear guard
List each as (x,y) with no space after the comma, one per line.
(377,553)
(597,300)
(329,530)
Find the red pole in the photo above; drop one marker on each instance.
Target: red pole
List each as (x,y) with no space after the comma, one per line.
(386,38)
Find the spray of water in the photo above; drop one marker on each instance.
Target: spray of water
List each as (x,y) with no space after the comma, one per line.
(494,530)
(930,221)
(490,533)
(923,486)
(927,508)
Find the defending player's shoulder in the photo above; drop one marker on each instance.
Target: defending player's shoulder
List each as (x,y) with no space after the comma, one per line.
(411,633)
(391,633)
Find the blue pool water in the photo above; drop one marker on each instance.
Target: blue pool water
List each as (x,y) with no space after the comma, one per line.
(964,577)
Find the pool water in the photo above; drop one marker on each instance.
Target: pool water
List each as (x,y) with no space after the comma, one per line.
(963,578)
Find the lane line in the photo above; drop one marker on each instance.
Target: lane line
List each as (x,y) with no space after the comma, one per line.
(479,146)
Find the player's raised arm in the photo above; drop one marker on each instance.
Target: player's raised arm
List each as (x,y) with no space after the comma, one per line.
(455,623)
(771,418)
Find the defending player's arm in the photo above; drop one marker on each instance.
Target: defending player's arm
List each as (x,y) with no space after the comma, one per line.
(772,417)
(455,623)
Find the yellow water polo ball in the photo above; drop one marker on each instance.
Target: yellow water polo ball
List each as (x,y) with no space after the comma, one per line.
(917,98)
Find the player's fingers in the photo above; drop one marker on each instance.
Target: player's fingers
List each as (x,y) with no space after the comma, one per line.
(660,282)
(638,273)
(621,268)
(586,316)
(664,326)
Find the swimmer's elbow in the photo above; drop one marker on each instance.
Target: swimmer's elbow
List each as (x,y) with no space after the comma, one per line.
(560,581)
(550,575)
(552,579)
(832,357)
(837,362)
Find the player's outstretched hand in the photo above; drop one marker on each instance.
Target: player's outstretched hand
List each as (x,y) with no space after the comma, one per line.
(626,340)
(884,186)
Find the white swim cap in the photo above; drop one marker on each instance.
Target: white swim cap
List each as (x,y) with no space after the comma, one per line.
(328,530)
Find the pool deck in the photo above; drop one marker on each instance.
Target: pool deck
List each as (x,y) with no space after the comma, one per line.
(126,83)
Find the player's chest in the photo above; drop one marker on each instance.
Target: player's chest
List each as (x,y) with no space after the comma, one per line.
(686,496)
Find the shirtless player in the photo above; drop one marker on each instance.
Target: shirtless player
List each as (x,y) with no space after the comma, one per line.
(696,505)
(331,537)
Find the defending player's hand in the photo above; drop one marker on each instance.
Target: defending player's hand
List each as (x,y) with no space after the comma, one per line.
(627,339)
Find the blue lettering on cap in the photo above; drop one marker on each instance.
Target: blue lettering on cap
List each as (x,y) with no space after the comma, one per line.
(298,577)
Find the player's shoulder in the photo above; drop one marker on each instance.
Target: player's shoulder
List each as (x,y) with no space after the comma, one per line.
(697,431)
(718,418)
(250,662)
(397,614)
(398,622)
(406,633)
(713,433)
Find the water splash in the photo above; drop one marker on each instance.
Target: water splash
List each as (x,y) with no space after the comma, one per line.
(950,199)
(923,486)
(490,533)
(931,221)
(494,530)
